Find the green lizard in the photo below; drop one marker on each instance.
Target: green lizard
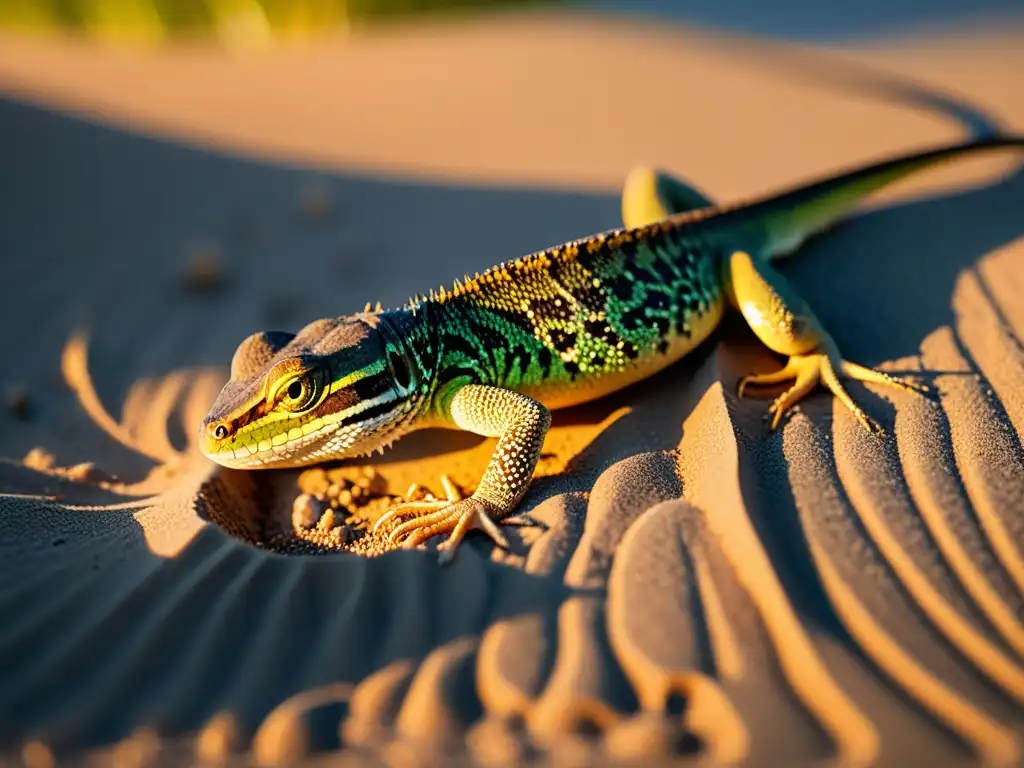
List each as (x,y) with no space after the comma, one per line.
(496,353)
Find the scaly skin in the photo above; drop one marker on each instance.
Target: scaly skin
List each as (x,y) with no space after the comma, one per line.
(563,326)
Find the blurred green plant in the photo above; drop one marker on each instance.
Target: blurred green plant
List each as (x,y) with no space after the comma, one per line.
(231,21)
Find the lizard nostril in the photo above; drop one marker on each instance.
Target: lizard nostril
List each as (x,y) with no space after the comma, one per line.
(219,431)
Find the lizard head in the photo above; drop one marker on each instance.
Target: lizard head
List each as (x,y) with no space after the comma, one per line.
(340,387)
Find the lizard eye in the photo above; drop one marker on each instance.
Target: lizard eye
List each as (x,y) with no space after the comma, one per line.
(300,393)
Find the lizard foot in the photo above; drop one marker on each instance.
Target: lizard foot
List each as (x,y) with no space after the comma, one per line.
(453,515)
(807,371)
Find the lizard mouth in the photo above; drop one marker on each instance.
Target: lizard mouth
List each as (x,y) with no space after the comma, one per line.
(376,429)
(289,453)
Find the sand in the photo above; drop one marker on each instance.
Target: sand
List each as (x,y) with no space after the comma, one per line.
(693,585)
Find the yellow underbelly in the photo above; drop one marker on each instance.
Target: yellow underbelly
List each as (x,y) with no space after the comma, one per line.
(591,387)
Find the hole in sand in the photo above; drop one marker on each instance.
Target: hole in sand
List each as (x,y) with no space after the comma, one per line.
(326,509)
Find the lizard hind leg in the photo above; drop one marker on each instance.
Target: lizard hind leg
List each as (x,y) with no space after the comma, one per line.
(784,322)
(650,195)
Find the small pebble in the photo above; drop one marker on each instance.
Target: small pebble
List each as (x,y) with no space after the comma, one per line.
(87,472)
(39,459)
(340,505)
(314,481)
(18,404)
(204,269)
(326,520)
(373,482)
(306,510)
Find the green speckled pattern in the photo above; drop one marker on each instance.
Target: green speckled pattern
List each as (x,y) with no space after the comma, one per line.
(578,315)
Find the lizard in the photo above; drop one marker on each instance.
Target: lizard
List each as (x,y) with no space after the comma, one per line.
(496,353)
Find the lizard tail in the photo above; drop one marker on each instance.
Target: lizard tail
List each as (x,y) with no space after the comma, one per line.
(793,216)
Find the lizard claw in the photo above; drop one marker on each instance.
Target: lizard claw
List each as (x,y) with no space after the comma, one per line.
(474,518)
(452,494)
(456,520)
(453,515)
(807,371)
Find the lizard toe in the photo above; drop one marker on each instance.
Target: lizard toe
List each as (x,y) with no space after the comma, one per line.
(456,520)
(471,514)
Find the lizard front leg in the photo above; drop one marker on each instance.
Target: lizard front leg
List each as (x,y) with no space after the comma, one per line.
(780,317)
(520,424)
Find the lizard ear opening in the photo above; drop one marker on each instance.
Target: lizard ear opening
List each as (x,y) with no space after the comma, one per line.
(255,352)
(399,370)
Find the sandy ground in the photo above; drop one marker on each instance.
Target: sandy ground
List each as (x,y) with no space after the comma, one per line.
(699,585)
